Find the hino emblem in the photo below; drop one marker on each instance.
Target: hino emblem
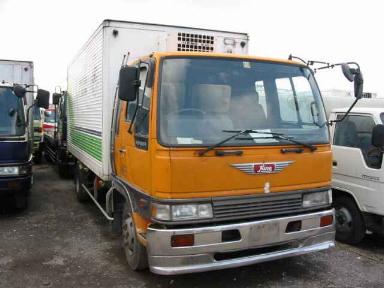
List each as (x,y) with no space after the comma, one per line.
(262,168)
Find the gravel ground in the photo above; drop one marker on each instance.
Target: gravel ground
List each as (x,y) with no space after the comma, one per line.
(58,242)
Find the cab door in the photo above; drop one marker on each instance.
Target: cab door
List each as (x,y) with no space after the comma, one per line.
(354,170)
(132,141)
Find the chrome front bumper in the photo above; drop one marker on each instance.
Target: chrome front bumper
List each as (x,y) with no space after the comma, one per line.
(271,233)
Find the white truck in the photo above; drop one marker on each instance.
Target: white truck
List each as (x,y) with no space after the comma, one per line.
(358,174)
(17,90)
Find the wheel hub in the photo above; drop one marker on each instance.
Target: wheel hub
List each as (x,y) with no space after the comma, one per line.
(129,235)
(343,219)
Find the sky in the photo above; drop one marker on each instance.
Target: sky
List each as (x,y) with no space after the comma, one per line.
(51,32)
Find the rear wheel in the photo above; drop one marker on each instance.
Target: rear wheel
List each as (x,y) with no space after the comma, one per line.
(81,195)
(350,226)
(37,157)
(63,171)
(135,252)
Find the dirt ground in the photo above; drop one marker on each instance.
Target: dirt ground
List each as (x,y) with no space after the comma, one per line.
(58,242)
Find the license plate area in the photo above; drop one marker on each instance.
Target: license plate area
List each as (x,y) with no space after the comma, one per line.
(265,233)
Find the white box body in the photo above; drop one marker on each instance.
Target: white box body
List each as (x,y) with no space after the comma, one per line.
(17,72)
(93,75)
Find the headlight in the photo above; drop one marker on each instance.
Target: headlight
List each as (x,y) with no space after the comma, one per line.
(317,198)
(8,171)
(161,212)
(182,211)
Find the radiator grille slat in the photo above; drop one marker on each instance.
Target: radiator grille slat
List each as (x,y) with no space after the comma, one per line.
(257,206)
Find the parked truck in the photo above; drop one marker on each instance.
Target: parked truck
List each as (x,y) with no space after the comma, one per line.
(358,145)
(55,144)
(37,134)
(17,91)
(202,156)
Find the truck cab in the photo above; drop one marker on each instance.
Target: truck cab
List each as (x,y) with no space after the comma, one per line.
(195,198)
(55,146)
(17,92)
(357,173)
(15,149)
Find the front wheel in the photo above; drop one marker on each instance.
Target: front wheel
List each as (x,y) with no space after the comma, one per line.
(135,252)
(350,226)
(21,200)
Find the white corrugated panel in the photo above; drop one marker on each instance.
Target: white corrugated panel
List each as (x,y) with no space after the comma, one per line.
(85,104)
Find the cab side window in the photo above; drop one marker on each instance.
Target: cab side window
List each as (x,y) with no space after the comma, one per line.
(356,131)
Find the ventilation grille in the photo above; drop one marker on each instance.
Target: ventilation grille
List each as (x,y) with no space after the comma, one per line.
(257,206)
(195,42)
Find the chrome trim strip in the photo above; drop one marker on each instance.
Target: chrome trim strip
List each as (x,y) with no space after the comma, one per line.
(233,263)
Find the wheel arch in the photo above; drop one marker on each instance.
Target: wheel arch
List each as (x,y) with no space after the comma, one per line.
(337,193)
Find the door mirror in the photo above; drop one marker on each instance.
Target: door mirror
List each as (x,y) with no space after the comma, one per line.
(42,99)
(56,98)
(378,136)
(19,91)
(128,83)
(355,75)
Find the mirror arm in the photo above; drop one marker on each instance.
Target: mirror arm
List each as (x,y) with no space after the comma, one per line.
(27,118)
(137,100)
(345,115)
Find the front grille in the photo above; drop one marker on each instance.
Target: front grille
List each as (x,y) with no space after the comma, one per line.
(257,206)
(195,42)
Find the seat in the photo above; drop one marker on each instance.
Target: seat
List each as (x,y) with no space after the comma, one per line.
(247,112)
(214,100)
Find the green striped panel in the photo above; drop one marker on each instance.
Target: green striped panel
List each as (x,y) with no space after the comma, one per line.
(88,143)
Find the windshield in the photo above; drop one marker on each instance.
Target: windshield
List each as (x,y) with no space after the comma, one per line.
(49,116)
(201,97)
(12,121)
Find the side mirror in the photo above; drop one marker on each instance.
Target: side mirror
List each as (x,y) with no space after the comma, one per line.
(128,83)
(56,98)
(19,91)
(356,76)
(378,136)
(42,99)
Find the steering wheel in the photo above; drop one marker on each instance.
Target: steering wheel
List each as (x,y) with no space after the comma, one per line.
(190,111)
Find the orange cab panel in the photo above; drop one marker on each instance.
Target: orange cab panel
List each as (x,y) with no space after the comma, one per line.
(258,170)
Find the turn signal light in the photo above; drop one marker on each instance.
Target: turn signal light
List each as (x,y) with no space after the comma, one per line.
(182,240)
(326,220)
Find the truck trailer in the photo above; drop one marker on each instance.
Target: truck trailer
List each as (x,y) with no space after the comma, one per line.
(201,156)
(17,90)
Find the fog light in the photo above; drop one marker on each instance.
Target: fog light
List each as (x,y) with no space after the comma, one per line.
(326,220)
(182,240)
(293,226)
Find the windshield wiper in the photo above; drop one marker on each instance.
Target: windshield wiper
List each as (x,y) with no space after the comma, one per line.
(247,131)
(280,137)
(237,133)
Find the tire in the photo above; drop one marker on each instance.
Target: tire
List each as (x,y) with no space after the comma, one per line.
(63,171)
(21,200)
(37,158)
(135,252)
(47,158)
(350,226)
(81,195)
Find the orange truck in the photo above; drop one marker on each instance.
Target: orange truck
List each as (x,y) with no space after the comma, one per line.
(201,156)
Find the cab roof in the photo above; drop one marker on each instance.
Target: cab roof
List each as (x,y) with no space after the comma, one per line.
(225,55)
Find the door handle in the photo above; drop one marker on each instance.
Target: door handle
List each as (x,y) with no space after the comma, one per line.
(122,150)
(334,163)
